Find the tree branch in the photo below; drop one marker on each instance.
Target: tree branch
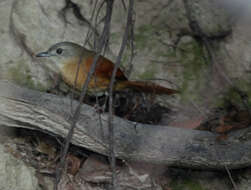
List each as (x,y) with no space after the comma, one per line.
(20,107)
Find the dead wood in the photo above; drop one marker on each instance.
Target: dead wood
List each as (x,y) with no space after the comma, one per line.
(22,107)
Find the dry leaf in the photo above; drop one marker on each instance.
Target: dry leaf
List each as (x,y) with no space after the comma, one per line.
(73,164)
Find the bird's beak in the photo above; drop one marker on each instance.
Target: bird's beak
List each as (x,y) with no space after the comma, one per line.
(43,54)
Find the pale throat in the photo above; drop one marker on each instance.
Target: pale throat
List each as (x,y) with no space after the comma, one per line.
(59,64)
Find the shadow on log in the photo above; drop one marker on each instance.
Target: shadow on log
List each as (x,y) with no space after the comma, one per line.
(21,107)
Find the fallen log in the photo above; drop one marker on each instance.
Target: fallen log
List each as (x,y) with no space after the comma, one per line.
(26,108)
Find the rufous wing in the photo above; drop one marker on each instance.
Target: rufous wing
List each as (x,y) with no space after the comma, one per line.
(105,68)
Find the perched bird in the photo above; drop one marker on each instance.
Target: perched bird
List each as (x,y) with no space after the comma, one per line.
(73,62)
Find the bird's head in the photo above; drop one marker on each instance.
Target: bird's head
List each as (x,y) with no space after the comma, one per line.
(62,53)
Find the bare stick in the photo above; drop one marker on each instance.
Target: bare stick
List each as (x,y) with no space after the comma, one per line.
(110,120)
(61,166)
(231,178)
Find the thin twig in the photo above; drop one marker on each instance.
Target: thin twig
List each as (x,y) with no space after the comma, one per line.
(132,47)
(89,32)
(211,54)
(231,178)
(111,85)
(102,41)
(96,22)
(124,5)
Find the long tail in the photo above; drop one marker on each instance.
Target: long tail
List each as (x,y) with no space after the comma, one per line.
(146,87)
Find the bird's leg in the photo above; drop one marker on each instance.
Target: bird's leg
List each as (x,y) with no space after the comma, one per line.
(101,103)
(117,102)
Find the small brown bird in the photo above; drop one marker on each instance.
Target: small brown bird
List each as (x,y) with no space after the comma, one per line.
(68,55)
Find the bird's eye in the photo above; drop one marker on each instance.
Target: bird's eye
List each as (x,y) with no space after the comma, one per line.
(59,51)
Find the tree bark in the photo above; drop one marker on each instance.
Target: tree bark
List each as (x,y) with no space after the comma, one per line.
(21,107)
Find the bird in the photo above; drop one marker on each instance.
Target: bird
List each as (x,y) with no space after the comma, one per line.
(72,62)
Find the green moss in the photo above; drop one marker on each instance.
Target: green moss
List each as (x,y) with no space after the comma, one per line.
(194,64)
(166,54)
(115,37)
(143,37)
(21,75)
(147,75)
(149,72)
(233,95)
(186,185)
(125,58)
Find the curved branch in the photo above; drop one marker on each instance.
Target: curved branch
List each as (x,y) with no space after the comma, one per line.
(21,107)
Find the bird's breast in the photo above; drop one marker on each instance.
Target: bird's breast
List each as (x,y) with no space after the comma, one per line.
(74,74)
